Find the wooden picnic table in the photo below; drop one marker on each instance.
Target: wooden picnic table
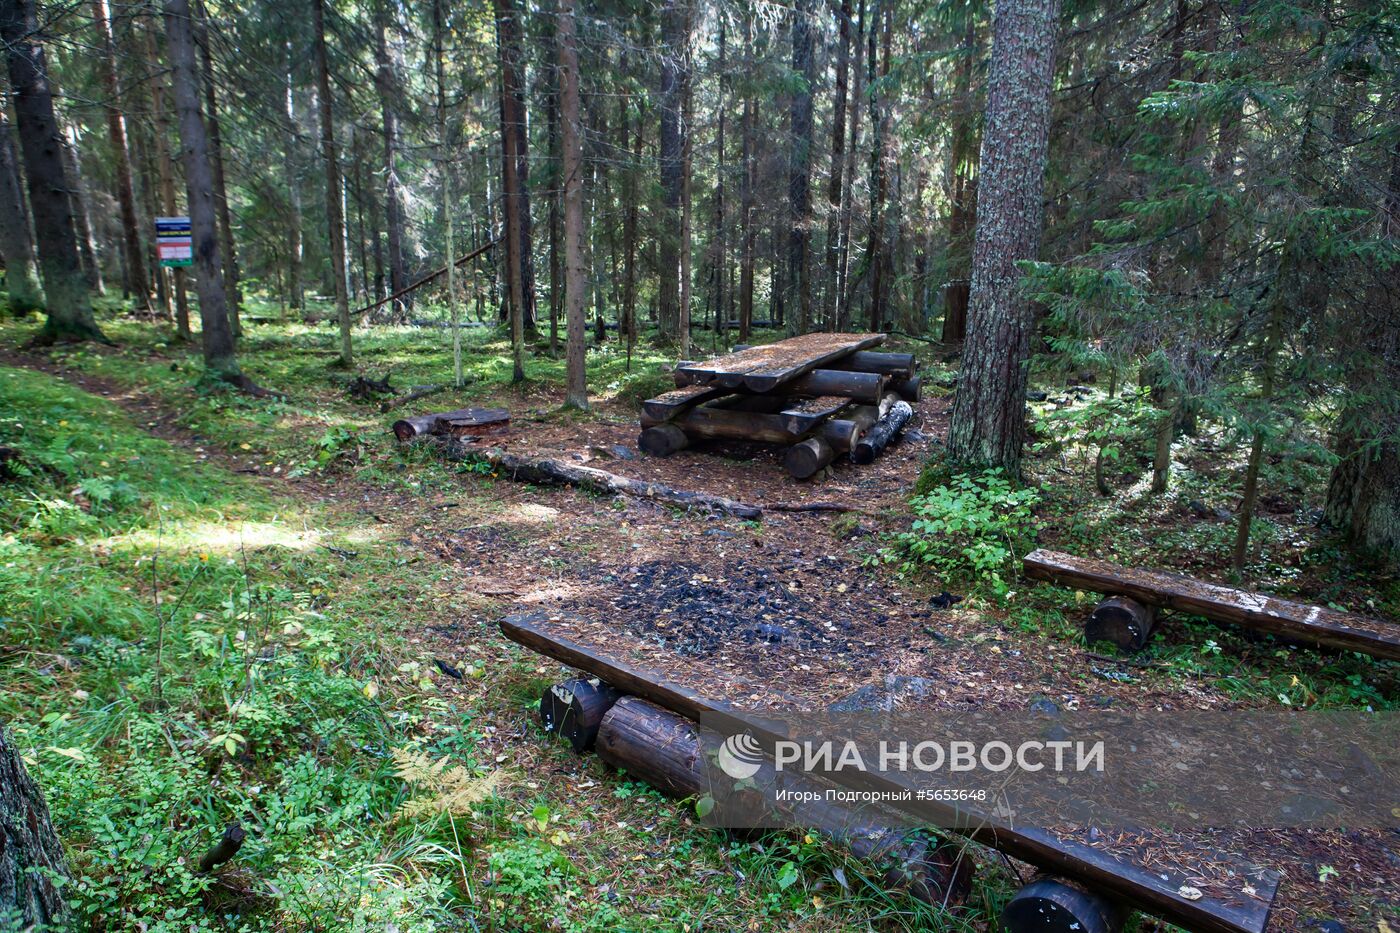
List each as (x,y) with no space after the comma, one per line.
(764,368)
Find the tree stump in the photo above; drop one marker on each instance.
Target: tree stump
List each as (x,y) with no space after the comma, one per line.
(1122,620)
(1054,905)
(30,852)
(574,710)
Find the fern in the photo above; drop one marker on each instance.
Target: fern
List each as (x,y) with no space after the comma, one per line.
(441,787)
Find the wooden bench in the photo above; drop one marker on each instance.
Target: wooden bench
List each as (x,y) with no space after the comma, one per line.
(1128,616)
(1154,890)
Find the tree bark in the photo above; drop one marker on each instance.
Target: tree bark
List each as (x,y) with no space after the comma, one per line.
(800,169)
(335,216)
(675,39)
(879,255)
(835,186)
(216,334)
(844,291)
(161,120)
(556,187)
(135,280)
(747,230)
(963,191)
(16,242)
(629,235)
(88,253)
(228,250)
(514,173)
(31,855)
(68,303)
(1363,494)
(988,425)
(295,291)
(575,268)
(386,82)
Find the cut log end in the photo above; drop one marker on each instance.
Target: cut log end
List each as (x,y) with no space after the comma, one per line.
(663,440)
(574,710)
(1051,905)
(1123,621)
(805,459)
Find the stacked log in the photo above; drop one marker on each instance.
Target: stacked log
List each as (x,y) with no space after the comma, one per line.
(819,413)
(664,750)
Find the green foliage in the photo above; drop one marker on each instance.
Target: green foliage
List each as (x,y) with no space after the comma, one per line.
(970,530)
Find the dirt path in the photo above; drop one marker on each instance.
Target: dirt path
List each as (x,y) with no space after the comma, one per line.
(785,603)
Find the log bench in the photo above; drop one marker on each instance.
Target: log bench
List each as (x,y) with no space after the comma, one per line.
(1108,878)
(1127,616)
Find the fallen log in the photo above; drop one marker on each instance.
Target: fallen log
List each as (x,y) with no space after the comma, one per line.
(418,392)
(558,473)
(1298,621)
(463,421)
(1054,905)
(1122,620)
(874,441)
(574,710)
(663,749)
(1154,889)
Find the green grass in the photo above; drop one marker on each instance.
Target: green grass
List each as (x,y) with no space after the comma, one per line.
(180,648)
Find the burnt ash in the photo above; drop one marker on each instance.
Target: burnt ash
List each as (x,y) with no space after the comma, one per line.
(699,611)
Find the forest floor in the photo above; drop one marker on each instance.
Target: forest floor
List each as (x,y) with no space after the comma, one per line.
(268,610)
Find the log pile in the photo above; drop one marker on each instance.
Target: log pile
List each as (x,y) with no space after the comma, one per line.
(822,396)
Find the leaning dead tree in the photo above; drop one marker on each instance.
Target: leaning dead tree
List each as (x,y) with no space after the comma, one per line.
(31,857)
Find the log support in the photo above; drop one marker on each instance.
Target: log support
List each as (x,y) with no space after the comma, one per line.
(663,440)
(574,710)
(1122,620)
(1054,905)
(805,459)
(664,750)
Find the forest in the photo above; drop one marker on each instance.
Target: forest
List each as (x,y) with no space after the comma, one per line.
(420,420)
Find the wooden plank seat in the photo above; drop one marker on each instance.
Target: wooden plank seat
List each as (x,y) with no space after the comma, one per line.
(1156,890)
(1317,625)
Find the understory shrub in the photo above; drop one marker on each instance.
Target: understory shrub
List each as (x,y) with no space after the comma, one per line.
(969,530)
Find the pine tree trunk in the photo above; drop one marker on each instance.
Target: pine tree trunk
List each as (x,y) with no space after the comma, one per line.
(747,230)
(228,249)
(575,270)
(335,216)
(135,279)
(295,288)
(835,186)
(555,232)
(514,162)
(988,425)
(386,82)
(880,112)
(687,141)
(674,39)
(161,125)
(31,856)
(844,296)
(16,242)
(963,207)
(216,333)
(88,253)
(800,169)
(65,289)
(719,257)
(1363,494)
(629,286)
